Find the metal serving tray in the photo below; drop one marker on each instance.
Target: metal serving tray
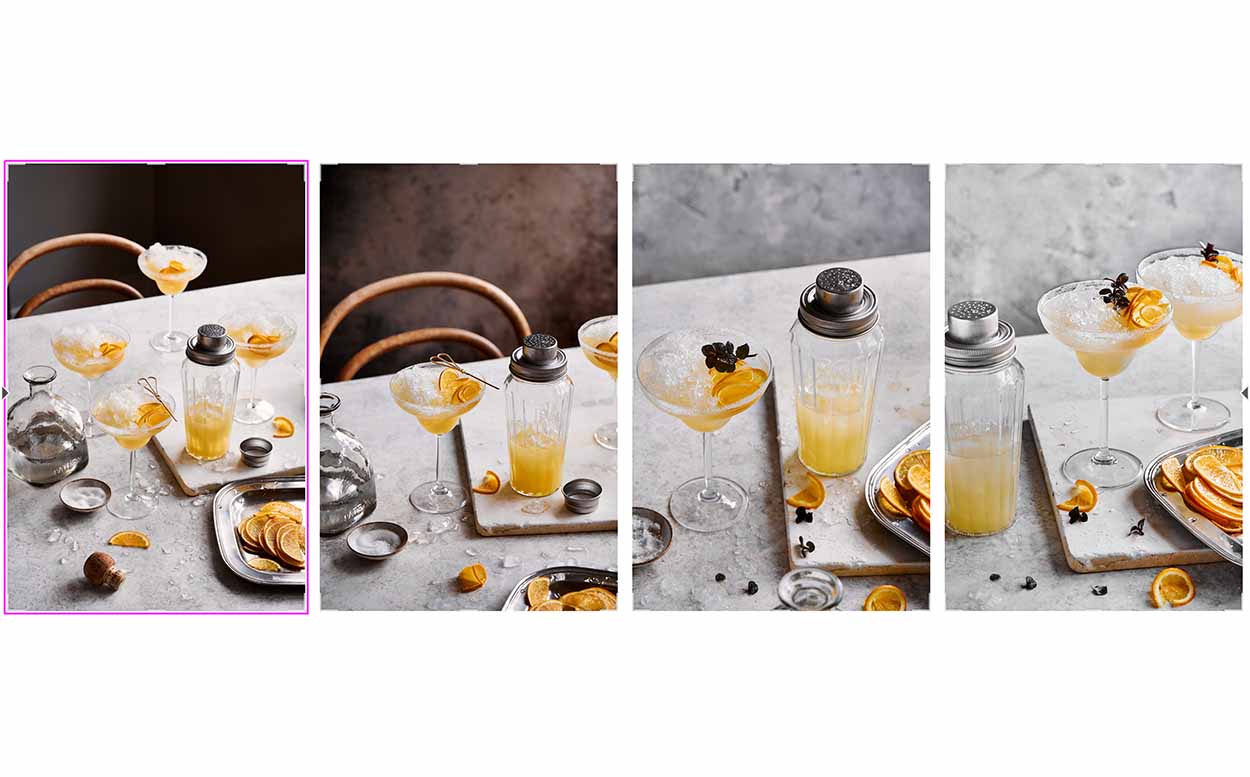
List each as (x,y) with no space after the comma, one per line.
(564,580)
(1208,533)
(235,502)
(903,528)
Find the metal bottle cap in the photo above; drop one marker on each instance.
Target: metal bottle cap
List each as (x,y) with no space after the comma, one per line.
(210,346)
(838,304)
(539,359)
(975,337)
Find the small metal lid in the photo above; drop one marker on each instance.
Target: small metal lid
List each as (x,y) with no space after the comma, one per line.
(838,304)
(975,337)
(255,451)
(539,359)
(210,346)
(581,495)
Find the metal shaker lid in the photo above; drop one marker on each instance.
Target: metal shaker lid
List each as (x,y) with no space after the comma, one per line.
(539,359)
(975,337)
(838,304)
(210,346)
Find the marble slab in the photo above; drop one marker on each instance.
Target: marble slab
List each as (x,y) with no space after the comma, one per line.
(1103,543)
(486,447)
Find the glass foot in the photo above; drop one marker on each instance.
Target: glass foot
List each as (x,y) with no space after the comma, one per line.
(132,506)
(713,509)
(1123,468)
(168,342)
(606,436)
(1185,415)
(437,498)
(253,412)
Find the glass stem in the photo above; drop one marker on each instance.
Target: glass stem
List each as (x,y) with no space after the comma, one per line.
(1103,456)
(89,423)
(708,494)
(439,488)
(133,491)
(169,332)
(251,401)
(1193,377)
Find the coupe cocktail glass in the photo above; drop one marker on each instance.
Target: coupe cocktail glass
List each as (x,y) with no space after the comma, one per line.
(1205,295)
(259,336)
(172,267)
(597,338)
(437,396)
(91,350)
(1105,341)
(674,375)
(133,416)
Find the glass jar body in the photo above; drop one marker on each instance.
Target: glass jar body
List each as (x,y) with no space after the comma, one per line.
(209,394)
(984,427)
(538,429)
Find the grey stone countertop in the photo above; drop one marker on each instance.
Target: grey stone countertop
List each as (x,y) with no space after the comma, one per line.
(183,570)
(1031,547)
(423,575)
(667,453)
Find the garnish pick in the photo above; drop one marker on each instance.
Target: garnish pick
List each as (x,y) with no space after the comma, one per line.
(445,360)
(150,385)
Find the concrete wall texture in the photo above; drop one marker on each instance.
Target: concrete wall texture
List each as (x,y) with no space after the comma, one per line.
(693,221)
(1013,232)
(545,234)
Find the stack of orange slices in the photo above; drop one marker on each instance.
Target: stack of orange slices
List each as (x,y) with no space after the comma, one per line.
(1147,307)
(731,387)
(1210,483)
(275,533)
(595,598)
(1226,266)
(906,494)
(458,389)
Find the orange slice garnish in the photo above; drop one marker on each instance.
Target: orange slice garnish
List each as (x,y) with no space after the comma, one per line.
(1173,587)
(811,497)
(885,598)
(552,605)
(607,346)
(466,392)
(130,539)
(1085,498)
(173,268)
(472,577)
(448,379)
(538,591)
(259,339)
(490,484)
(108,348)
(1173,474)
(283,427)
(151,414)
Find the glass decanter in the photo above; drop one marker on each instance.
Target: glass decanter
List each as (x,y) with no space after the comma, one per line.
(46,437)
(348,491)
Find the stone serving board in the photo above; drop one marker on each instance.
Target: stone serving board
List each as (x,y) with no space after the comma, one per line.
(486,447)
(849,540)
(1103,543)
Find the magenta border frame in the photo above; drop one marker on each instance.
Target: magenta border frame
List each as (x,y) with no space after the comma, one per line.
(4,333)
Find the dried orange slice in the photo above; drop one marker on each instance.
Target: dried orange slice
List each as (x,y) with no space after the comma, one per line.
(552,605)
(918,479)
(472,577)
(261,339)
(1207,500)
(288,545)
(538,591)
(1147,316)
(284,509)
(173,268)
(264,565)
(466,392)
(906,463)
(1085,498)
(489,485)
(607,346)
(811,497)
(448,380)
(885,598)
(590,600)
(1172,586)
(888,492)
(1229,456)
(251,529)
(283,427)
(130,539)
(151,414)
(1219,477)
(109,348)
(1173,474)
(920,512)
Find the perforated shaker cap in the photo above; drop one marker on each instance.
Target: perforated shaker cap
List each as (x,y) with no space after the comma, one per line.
(975,337)
(210,346)
(838,304)
(539,359)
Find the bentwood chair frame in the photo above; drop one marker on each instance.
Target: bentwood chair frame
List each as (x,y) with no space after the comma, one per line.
(72,287)
(419,280)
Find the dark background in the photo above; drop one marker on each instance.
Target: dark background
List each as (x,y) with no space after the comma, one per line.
(247,218)
(545,234)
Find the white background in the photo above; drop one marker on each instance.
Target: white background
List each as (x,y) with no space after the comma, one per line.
(715,694)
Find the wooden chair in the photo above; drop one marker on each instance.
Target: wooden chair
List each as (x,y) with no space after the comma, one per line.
(419,280)
(72,287)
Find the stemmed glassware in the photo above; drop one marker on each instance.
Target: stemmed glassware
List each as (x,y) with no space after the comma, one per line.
(598,339)
(172,267)
(1105,337)
(259,337)
(91,350)
(133,414)
(705,377)
(1204,286)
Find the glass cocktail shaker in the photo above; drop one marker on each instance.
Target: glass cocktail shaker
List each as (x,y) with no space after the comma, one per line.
(835,346)
(984,419)
(210,388)
(539,398)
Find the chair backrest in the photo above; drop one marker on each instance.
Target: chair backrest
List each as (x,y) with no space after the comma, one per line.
(73,241)
(72,287)
(417,280)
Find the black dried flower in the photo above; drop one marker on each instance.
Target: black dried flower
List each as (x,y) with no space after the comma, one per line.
(1076,516)
(752,588)
(1138,528)
(720,577)
(1029,584)
(803,515)
(723,357)
(995,577)
(1209,253)
(1099,590)
(1116,294)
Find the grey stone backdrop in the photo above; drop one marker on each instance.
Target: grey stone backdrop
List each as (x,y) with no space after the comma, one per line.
(693,221)
(1013,232)
(545,234)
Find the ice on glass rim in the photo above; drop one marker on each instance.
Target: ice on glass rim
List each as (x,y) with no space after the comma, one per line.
(132,416)
(1205,287)
(91,350)
(259,337)
(598,339)
(172,267)
(674,375)
(438,396)
(1104,338)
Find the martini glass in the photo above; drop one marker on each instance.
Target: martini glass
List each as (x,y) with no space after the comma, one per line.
(1104,342)
(91,350)
(133,417)
(437,396)
(597,338)
(674,376)
(1204,298)
(172,267)
(259,337)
